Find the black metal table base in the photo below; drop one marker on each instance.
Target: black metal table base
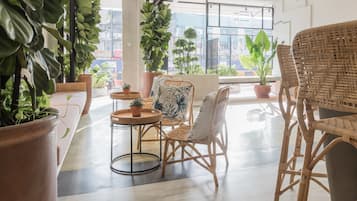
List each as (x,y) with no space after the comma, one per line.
(135,170)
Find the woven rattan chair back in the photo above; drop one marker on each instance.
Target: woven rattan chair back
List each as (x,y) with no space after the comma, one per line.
(289,77)
(184,83)
(219,112)
(326,62)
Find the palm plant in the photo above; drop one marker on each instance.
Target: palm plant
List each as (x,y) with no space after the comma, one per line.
(261,54)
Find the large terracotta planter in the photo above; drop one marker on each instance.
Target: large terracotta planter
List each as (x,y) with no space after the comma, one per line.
(262,91)
(87,78)
(148,78)
(28,161)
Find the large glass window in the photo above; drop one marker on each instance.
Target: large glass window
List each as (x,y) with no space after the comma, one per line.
(109,52)
(227,25)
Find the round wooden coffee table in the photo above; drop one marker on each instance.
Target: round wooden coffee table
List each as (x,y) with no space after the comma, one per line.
(115,96)
(140,162)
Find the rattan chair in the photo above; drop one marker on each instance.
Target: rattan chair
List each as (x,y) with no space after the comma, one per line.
(171,123)
(183,137)
(326,62)
(288,89)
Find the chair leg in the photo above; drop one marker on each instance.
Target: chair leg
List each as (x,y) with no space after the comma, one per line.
(173,148)
(164,161)
(182,152)
(306,171)
(283,161)
(297,153)
(212,156)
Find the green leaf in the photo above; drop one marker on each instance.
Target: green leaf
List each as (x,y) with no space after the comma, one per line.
(7,65)
(53,65)
(53,10)
(15,3)
(67,44)
(8,47)
(15,24)
(84,6)
(262,40)
(247,62)
(34,4)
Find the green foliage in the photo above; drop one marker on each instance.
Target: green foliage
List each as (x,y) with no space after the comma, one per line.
(184,60)
(100,77)
(87,34)
(259,57)
(224,70)
(27,68)
(25,111)
(155,35)
(126,86)
(136,103)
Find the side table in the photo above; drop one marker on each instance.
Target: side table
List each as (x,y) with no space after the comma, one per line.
(124,117)
(115,96)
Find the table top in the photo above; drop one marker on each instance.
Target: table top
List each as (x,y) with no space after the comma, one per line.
(123,96)
(125,117)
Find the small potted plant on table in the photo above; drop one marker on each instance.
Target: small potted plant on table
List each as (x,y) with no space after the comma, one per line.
(136,106)
(126,88)
(261,54)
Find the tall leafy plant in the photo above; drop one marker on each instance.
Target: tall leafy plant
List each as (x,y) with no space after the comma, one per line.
(261,53)
(27,67)
(185,61)
(155,35)
(86,33)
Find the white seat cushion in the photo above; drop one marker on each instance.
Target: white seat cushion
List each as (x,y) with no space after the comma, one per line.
(201,127)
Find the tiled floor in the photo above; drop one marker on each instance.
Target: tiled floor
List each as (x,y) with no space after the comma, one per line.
(254,149)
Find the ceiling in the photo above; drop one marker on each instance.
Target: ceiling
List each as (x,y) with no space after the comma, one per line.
(186,5)
(239,2)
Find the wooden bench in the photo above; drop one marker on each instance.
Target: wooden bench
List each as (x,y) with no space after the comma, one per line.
(69,101)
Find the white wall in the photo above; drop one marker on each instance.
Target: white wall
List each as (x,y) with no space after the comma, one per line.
(292,16)
(133,66)
(113,4)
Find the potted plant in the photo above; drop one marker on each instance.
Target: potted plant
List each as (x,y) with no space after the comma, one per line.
(126,88)
(27,72)
(185,62)
(136,106)
(154,40)
(261,53)
(100,78)
(85,44)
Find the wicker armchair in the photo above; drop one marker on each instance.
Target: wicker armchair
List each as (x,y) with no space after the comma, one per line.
(184,136)
(172,122)
(326,63)
(288,90)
